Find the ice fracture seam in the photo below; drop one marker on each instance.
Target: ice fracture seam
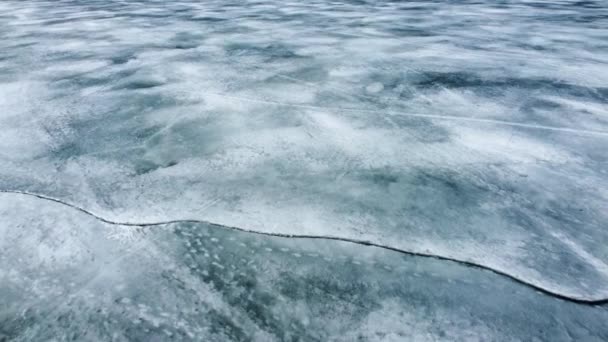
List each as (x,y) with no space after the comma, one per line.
(467,263)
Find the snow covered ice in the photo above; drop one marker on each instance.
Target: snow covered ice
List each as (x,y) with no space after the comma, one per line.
(476,131)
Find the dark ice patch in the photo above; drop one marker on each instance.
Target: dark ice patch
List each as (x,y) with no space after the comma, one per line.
(271,51)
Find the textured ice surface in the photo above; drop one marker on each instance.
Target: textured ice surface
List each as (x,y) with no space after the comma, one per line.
(476,130)
(66,276)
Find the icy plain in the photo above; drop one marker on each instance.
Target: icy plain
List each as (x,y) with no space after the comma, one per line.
(470,130)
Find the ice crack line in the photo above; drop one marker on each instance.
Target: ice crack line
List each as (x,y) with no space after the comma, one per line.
(467,263)
(598,133)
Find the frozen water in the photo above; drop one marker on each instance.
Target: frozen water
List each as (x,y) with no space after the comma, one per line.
(474,130)
(67,276)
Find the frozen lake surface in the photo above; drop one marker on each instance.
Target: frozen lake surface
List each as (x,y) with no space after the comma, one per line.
(470,130)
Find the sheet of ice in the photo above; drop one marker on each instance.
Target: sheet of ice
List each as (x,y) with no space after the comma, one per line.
(472,130)
(67,276)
